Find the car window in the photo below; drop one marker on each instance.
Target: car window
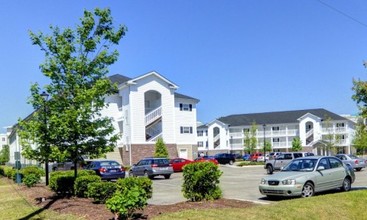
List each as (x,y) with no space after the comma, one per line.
(353,156)
(296,155)
(324,162)
(334,163)
(288,156)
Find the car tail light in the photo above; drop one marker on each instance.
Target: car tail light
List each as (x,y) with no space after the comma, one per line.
(122,169)
(102,170)
(154,165)
(356,161)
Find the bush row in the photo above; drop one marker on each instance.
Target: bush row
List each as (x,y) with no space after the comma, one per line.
(30,175)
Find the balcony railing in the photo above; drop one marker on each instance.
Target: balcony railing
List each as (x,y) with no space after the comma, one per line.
(153,115)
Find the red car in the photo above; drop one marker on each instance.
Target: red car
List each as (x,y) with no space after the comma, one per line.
(206,158)
(179,163)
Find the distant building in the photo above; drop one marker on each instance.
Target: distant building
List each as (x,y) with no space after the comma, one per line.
(314,127)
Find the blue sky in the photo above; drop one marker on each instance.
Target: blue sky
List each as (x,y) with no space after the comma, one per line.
(238,56)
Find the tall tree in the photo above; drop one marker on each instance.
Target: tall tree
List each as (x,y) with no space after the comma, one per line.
(4,154)
(250,140)
(296,144)
(76,63)
(360,137)
(160,149)
(331,138)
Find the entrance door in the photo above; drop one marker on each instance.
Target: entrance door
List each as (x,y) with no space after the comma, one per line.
(183,153)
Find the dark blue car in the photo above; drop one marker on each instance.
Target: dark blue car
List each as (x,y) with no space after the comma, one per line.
(107,169)
(246,157)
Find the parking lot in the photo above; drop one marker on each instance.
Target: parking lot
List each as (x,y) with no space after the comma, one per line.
(239,183)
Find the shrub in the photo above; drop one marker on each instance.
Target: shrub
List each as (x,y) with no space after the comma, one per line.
(33,170)
(62,182)
(81,184)
(4,170)
(143,182)
(101,191)
(132,193)
(201,181)
(31,180)
(124,203)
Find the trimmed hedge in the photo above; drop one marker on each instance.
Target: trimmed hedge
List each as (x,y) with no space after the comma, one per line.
(81,184)
(101,191)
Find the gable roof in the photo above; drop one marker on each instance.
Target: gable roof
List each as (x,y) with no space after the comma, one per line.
(281,117)
(120,79)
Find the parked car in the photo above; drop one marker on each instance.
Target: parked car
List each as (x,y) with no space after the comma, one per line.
(306,176)
(253,157)
(246,157)
(262,159)
(273,155)
(206,159)
(107,169)
(224,158)
(353,161)
(152,167)
(179,163)
(68,164)
(283,159)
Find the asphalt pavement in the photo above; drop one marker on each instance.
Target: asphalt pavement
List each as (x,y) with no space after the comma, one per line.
(239,183)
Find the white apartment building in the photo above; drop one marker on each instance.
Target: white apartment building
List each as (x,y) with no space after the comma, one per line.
(147,108)
(313,126)
(3,140)
(144,109)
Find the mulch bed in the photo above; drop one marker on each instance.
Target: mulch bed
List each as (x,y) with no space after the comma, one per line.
(43,197)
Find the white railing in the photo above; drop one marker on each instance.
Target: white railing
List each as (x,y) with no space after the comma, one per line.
(216,138)
(309,133)
(334,130)
(153,115)
(155,138)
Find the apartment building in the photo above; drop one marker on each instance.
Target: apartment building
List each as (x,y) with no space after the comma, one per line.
(147,108)
(144,109)
(314,127)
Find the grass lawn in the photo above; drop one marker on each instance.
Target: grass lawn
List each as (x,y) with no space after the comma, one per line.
(340,206)
(14,206)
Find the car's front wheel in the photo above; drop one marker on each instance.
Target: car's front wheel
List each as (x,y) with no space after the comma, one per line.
(308,190)
(346,185)
(231,162)
(358,169)
(269,169)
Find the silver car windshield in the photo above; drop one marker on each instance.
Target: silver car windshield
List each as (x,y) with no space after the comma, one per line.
(301,165)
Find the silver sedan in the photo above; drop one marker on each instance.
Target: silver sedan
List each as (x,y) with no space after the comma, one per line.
(306,176)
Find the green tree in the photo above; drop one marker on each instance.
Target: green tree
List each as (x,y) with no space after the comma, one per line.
(268,146)
(360,138)
(331,138)
(4,154)
(76,63)
(250,140)
(160,149)
(296,144)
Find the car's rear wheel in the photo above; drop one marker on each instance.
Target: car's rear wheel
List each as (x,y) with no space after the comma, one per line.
(358,169)
(346,185)
(308,190)
(231,162)
(269,169)
(167,176)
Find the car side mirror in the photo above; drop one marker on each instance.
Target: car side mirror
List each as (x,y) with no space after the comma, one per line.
(320,168)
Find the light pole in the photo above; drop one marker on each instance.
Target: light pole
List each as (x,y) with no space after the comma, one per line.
(44,95)
(264,126)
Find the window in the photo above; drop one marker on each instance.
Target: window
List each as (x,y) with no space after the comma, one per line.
(275,128)
(246,130)
(276,140)
(3,139)
(340,125)
(324,162)
(200,133)
(200,144)
(185,107)
(335,163)
(186,130)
